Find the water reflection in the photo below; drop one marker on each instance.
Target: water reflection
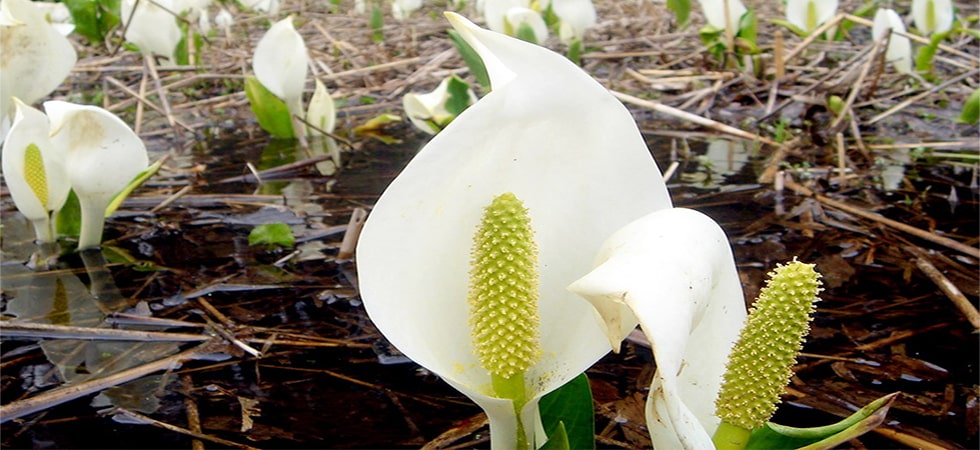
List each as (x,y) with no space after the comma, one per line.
(56,294)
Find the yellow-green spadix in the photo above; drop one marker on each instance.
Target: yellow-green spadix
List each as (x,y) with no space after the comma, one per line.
(556,139)
(34,169)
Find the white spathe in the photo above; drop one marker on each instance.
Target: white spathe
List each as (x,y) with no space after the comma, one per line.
(103,157)
(576,17)
(716,11)
(807,15)
(899,51)
(281,63)
(428,111)
(321,112)
(674,270)
(38,186)
(555,138)
(495,12)
(402,9)
(518,17)
(932,16)
(152,26)
(36,57)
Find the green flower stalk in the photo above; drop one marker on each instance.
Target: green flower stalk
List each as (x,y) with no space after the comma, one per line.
(761,362)
(503,297)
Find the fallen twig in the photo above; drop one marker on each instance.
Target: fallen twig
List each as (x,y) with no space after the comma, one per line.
(952,292)
(57,396)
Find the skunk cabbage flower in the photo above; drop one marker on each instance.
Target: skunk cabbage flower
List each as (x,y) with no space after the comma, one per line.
(432,111)
(576,16)
(152,26)
(34,169)
(673,269)
(280,63)
(224,20)
(58,15)
(402,9)
(716,11)
(899,50)
(932,16)
(521,20)
(35,59)
(556,140)
(104,155)
(807,15)
(321,113)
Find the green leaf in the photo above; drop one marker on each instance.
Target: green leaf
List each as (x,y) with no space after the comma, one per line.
(377,23)
(747,30)
(574,52)
(68,221)
(817,438)
(971,109)
(925,55)
(272,234)
(472,59)
(270,111)
(789,26)
(570,408)
(93,19)
(558,440)
(137,181)
(526,33)
(459,96)
(681,10)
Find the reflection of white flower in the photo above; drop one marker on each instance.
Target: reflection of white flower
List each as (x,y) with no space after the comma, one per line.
(37,64)
(807,15)
(152,26)
(932,16)
(673,270)
(557,140)
(899,51)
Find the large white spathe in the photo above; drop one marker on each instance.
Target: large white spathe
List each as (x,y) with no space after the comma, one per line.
(34,169)
(932,16)
(555,138)
(675,272)
(899,51)
(807,15)
(103,157)
(35,59)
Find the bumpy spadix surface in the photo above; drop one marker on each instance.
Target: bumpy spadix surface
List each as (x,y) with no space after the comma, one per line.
(763,357)
(504,289)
